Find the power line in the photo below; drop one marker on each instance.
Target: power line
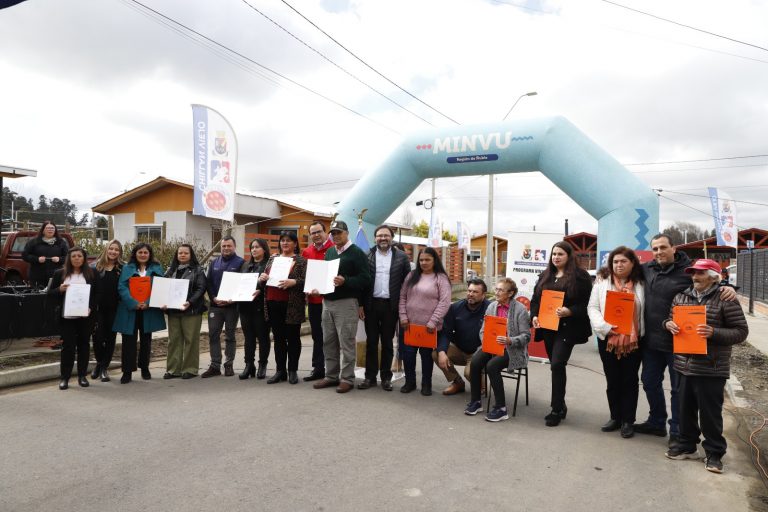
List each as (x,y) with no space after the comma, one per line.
(708,214)
(312,185)
(699,160)
(707,197)
(262,66)
(334,63)
(699,168)
(686,26)
(366,64)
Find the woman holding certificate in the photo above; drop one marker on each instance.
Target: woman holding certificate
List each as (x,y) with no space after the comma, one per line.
(285,305)
(73,287)
(107,268)
(559,315)
(424,300)
(133,311)
(513,344)
(616,314)
(183,358)
(252,315)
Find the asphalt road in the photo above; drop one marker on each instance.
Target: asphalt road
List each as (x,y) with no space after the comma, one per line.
(230,445)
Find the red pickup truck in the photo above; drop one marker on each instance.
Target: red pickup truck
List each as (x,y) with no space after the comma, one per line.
(13,269)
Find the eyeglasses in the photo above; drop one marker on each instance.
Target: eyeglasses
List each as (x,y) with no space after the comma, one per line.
(502,290)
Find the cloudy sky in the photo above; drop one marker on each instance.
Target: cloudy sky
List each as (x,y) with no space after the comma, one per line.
(96,94)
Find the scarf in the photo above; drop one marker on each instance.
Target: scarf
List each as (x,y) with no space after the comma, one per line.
(622,344)
(49,241)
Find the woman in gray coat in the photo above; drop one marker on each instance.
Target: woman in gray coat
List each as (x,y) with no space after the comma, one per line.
(515,350)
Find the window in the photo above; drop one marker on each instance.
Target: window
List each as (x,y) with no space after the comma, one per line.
(503,257)
(474,255)
(149,233)
(277,231)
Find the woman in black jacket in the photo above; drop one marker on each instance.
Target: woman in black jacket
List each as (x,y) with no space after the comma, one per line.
(184,324)
(45,254)
(562,274)
(75,331)
(107,268)
(252,315)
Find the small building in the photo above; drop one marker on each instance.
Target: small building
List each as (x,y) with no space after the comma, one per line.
(585,248)
(476,260)
(725,255)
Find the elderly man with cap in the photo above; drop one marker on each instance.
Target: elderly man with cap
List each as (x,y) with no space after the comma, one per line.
(340,313)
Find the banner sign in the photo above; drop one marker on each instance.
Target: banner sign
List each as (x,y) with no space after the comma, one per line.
(435,231)
(215,164)
(724,212)
(464,237)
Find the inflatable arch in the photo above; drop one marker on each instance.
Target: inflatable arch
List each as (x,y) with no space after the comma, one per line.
(626,209)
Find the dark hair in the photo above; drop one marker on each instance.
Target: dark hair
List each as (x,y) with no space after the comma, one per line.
(662,235)
(175,261)
(86,269)
(635,276)
(478,282)
(384,226)
(317,223)
(262,243)
(292,237)
(568,282)
(416,272)
(228,237)
(136,248)
(42,228)
(398,246)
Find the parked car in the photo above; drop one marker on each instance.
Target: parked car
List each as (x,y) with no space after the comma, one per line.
(13,269)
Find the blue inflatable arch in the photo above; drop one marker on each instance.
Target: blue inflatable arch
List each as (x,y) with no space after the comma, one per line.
(626,209)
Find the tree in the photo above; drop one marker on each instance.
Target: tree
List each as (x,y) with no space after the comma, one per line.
(42,204)
(681,231)
(421,229)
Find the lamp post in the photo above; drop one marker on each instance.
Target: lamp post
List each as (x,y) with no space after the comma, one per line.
(489,256)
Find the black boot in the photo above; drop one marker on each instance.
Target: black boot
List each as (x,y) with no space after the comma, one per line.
(82,381)
(426,389)
(104,374)
(63,384)
(293,377)
(261,373)
(277,377)
(96,371)
(248,371)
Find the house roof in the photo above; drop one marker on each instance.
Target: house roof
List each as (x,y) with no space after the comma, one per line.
(760,237)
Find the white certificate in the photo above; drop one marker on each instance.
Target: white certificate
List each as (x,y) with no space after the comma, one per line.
(320,275)
(281,267)
(76,300)
(171,293)
(238,287)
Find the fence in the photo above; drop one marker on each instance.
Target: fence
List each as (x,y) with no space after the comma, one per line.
(749,264)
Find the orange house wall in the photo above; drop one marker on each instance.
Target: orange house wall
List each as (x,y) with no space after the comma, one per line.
(168,198)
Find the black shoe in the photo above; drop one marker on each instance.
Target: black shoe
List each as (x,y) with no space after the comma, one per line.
(315,374)
(64,384)
(673,440)
(408,387)
(261,373)
(96,371)
(648,428)
(554,418)
(169,375)
(277,377)
(145,374)
(82,382)
(386,385)
(126,378)
(187,375)
(248,371)
(228,370)
(367,384)
(104,373)
(426,389)
(713,463)
(611,426)
(627,430)
(293,377)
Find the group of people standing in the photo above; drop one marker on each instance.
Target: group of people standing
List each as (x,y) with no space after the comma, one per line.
(380,288)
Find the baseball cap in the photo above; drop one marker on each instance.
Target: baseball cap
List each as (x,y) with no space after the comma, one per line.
(704,264)
(338,225)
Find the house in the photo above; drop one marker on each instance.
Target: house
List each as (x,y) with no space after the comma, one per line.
(476,255)
(725,255)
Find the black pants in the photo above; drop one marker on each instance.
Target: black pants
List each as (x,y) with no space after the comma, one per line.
(287,337)
(622,383)
(408,354)
(254,328)
(128,358)
(493,365)
(75,333)
(701,404)
(104,337)
(559,352)
(316,324)
(380,323)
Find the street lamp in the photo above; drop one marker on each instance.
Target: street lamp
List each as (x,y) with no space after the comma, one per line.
(489,257)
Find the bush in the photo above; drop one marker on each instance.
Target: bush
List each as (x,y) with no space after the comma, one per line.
(163,251)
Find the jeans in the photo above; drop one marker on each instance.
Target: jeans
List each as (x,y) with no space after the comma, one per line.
(219,318)
(652,376)
(408,355)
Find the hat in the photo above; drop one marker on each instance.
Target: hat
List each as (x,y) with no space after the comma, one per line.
(338,225)
(704,264)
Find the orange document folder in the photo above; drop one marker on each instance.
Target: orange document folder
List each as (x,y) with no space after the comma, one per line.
(550,301)
(494,326)
(140,288)
(417,336)
(687,319)
(620,311)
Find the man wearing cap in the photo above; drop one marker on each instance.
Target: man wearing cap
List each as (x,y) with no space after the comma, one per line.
(665,277)
(388,267)
(340,313)
(316,251)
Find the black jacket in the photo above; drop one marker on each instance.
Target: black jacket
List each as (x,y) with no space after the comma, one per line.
(254,268)
(661,286)
(196,293)
(576,328)
(398,271)
(42,272)
(57,295)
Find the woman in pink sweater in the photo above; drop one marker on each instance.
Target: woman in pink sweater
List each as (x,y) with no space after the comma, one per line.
(424,300)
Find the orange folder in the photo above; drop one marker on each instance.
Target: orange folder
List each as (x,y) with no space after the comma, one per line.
(620,311)
(417,336)
(494,326)
(550,301)
(687,319)
(140,288)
